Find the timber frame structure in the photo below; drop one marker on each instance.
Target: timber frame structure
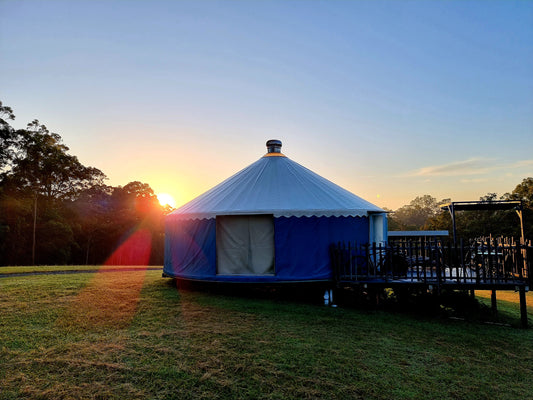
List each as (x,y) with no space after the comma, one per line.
(492,205)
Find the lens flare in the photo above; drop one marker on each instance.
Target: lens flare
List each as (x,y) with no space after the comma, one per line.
(135,250)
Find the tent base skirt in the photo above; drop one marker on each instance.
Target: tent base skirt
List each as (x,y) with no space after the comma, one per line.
(307,291)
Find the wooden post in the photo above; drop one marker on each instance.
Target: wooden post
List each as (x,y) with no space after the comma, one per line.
(463,263)
(523,308)
(519,212)
(439,263)
(493,303)
(451,209)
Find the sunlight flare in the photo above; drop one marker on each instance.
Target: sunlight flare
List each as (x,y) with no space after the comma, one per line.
(166,199)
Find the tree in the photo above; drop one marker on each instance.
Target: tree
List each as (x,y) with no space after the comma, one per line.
(47,194)
(481,223)
(141,197)
(15,228)
(415,215)
(92,219)
(8,136)
(38,166)
(523,191)
(107,218)
(442,221)
(136,207)
(43,165)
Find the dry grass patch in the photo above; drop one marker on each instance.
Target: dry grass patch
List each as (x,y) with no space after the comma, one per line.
(109,300)
(509,296)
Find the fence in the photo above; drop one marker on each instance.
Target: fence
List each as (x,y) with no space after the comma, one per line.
(484,261)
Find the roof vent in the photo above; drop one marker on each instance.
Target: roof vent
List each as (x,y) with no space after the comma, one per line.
(274,146)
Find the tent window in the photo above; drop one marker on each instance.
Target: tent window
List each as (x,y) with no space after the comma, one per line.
(245,244)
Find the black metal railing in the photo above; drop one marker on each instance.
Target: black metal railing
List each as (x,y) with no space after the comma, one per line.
(480,261)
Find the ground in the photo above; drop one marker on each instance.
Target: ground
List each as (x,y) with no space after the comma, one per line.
(130,334)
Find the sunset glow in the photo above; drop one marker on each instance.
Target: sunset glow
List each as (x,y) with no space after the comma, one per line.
(166,199)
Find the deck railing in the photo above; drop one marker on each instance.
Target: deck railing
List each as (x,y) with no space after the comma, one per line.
(484,261)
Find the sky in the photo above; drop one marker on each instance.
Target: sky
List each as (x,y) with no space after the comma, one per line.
(388,99)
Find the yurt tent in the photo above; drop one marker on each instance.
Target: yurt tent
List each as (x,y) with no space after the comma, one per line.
(273,221)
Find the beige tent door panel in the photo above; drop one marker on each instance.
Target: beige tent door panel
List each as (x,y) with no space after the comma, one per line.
(245,245)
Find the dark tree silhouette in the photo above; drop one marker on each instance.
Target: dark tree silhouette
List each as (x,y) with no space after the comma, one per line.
(8,137)
(38,166)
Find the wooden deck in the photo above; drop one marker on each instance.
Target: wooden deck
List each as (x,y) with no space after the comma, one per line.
(484,264)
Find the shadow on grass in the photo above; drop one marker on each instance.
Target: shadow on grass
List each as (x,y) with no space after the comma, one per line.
(302,292)
(448,304)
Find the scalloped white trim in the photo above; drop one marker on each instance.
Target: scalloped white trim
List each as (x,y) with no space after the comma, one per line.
(276,214)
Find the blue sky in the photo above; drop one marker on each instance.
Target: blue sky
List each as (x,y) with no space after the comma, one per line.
(389,99)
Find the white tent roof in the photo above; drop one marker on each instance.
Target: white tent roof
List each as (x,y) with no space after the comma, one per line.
(276,185)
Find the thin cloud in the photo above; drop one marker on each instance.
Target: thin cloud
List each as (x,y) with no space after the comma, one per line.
(473,166)
(521,164)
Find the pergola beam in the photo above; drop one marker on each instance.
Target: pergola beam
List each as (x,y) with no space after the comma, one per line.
(483,205)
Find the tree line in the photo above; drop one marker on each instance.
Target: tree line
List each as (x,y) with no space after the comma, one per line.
(55,210)
(425,213)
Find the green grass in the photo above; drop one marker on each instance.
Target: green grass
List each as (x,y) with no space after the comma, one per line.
(53,268)
(132,335)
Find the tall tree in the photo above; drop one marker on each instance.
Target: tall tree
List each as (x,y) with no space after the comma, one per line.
(8,136)
(40,167)
(44,166)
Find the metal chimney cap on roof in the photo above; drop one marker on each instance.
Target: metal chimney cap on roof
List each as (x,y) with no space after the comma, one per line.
(273,146)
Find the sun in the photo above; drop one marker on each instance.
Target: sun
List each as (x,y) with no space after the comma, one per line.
(166,199)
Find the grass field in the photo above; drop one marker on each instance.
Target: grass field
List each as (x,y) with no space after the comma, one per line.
(132,335)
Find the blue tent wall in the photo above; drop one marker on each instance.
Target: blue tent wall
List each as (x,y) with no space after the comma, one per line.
(302,244)
(190,248)
(301,247)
